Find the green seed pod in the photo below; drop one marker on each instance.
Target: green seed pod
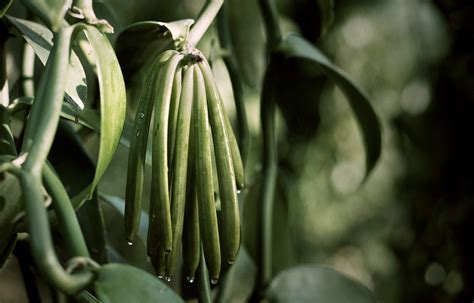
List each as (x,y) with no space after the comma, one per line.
(204,180)
(173,116)
(136,156)
(225,168)
(160,222)
(180,166)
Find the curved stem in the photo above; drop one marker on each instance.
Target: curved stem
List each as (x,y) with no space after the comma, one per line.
(272,27)
(204,20)
(41,128)
(237,86)
(41,242)
(270,170)
(65,213)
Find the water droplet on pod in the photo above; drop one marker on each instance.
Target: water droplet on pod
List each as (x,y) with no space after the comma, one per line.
(238,191)
(160,277)
(130,243)
(190,279)
(141,115)
(214,281)
(168,279)
(230,262)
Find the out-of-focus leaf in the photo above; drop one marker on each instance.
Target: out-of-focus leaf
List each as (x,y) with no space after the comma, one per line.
(4,5)
(313,283)
(112,101)
(240,279)
(141,41)
(298,98)
(51,12)
(118,283)
(295,47)
(326,14)
(246,27)
(41,40)
(7,143)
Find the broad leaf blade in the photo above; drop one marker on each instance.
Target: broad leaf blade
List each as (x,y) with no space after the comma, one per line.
(41,40)
(317,284)
(112,100)
(51,12)
(139,42)
(296,47)
(122,283)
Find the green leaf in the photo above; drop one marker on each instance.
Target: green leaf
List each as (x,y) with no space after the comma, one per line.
(41,40)
(326,14)
(112,100)
(4,5)
(240,279)
(246,27)
(7,142)
(118,283)
(139,42)
(298,48)
(313,283)
(51,12)
(86,117)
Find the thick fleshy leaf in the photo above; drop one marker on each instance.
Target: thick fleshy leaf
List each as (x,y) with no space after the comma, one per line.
(51,12)
(118,283)
(4,5)
(112,100)
(140,41)
(298,48)
(320,284)
(40,39)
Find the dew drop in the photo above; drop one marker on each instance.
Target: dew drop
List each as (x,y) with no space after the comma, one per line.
(141,115)
(230,262)
(238,191)
(138,133)
(168,279)
(214,281)
(130,243)
(160,277)
(190,279)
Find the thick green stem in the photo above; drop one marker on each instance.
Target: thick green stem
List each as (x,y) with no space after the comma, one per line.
(65,213)
(270,170)
(39,136)
(270,19)
(205,18)
(41,243)
(237,86)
